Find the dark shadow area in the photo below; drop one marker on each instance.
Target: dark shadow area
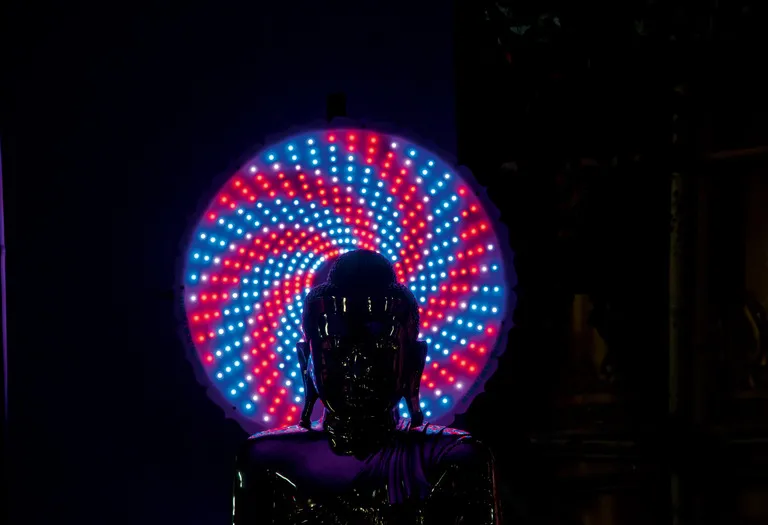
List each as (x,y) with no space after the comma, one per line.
(625,145)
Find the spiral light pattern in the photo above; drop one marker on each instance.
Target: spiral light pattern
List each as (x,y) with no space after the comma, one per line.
(277,222)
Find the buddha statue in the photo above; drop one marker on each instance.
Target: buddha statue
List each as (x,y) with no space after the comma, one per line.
(361,463)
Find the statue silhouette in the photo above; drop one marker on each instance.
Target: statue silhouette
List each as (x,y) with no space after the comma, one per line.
(361,464)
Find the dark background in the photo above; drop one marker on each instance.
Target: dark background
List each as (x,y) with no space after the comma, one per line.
(625,146)
(118,121)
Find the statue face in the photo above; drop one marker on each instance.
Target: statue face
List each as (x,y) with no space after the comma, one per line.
(361,354)
(358,347)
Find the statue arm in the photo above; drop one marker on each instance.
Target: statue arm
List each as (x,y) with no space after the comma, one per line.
(250,501)
(466,492)
(259,496)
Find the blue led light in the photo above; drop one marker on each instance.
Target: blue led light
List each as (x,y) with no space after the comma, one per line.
(270,228)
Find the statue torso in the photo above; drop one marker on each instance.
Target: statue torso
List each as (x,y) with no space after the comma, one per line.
(426,475)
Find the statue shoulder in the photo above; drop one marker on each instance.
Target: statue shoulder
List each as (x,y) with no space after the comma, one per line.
(278,433)
(275,443)
(451,445)
(457,446)
(440,430)
(469,450)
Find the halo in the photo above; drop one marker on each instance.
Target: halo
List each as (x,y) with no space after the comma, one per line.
(292,208)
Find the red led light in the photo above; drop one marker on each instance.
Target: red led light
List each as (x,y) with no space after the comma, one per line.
(255,252)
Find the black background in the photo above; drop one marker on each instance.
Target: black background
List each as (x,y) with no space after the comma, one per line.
(117,120)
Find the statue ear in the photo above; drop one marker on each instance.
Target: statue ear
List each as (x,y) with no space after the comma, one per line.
(413,382)
(310,393)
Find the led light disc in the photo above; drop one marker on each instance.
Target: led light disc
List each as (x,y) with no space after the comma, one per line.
(298,204)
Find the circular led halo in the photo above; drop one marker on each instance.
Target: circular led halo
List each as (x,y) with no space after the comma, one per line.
(298,204)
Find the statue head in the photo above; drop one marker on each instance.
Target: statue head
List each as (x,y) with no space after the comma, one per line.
(361,353)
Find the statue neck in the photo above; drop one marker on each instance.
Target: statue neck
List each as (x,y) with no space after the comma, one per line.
(359,436)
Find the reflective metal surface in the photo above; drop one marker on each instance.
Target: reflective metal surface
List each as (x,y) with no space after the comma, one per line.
(359,464)
(361,359)
(426,475)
